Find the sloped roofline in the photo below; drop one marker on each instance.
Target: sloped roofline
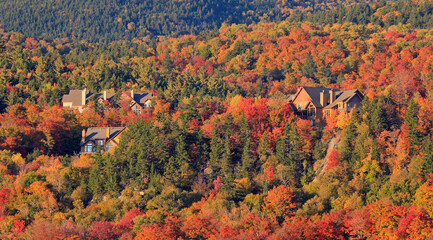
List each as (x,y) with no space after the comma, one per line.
(115,135)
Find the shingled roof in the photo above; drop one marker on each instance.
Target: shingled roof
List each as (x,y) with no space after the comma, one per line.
(74,96)
(109,95)
(100,133)
(140,97)
(344,96)
(314,93)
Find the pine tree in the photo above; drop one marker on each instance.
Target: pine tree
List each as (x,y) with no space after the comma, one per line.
(226,158)
(264,149)
(309,68)
(427,149)
(347,140)
(294,154)
(216,151)
(247,160)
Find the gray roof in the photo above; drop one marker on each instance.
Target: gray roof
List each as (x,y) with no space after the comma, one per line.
(140,97)
(343,97)
(100,133)
(314,93)
(109,95)
(74,96)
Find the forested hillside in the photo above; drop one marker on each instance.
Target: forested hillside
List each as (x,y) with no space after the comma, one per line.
(109,20)
(220,154)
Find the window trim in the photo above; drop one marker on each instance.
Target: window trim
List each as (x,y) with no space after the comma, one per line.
(88,148)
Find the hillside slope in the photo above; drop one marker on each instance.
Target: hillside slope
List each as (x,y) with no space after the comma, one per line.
(108,20)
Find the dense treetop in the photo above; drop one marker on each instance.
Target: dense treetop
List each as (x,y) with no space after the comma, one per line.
(109,20)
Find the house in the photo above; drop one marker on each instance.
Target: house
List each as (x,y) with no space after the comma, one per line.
(137,100)
(77,99)
(103,138)
(316,102)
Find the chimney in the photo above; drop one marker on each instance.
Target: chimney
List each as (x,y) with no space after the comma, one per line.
(323,98)
(108,132)
(331,96)
(132,93)
(83,135)
(105,95)
(83,97)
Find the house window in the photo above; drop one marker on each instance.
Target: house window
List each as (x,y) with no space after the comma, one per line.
(136,109)
(340,105)
(348,105)
(100,142)
(88,148)
(355,105)
(300,106)
(109,146)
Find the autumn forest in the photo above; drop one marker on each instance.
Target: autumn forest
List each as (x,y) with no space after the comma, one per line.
(220,153)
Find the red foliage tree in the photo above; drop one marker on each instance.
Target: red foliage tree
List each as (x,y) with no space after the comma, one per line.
(333,159)
(101,230)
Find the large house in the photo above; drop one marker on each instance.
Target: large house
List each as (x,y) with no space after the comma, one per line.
(77,99)
(315,102)
(100,138)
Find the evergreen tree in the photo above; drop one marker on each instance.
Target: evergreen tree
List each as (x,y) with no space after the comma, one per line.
(216,150)
(226,158)
(264,150)
(309,67)
(294,154)
(346,144)
(427,149)
(247,160)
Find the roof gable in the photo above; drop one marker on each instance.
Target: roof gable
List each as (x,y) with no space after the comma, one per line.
(139,97)
(313,93)
(100,133)
(345,96)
